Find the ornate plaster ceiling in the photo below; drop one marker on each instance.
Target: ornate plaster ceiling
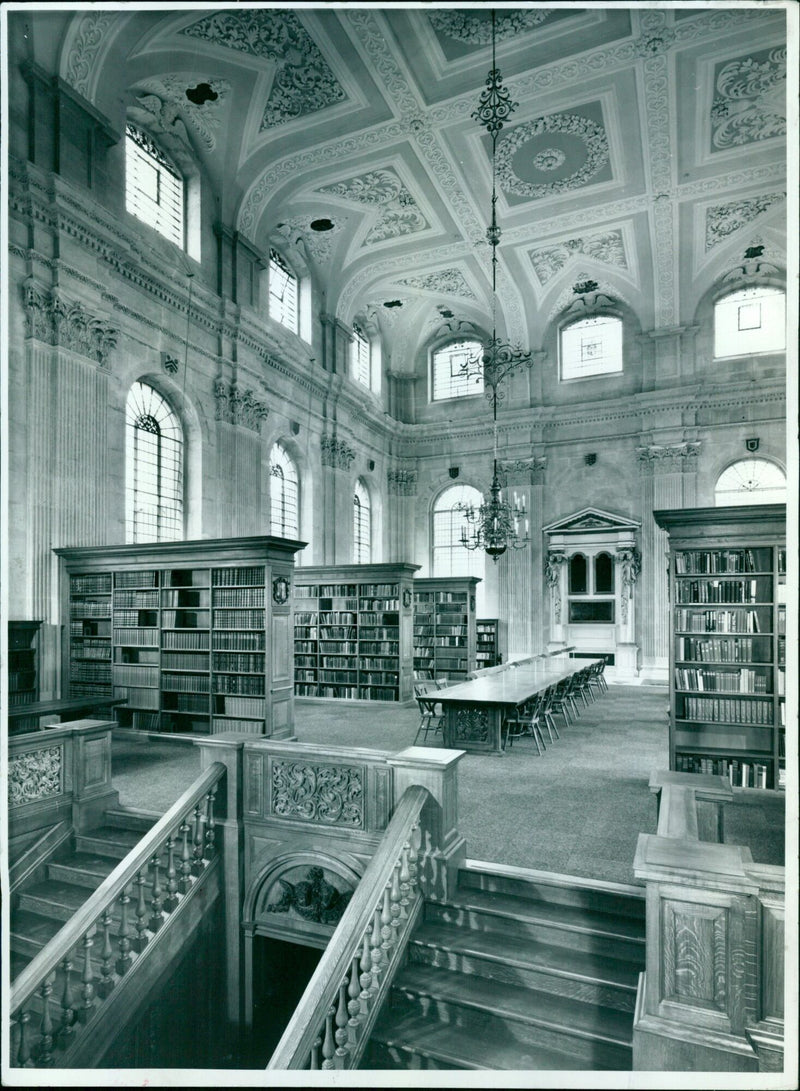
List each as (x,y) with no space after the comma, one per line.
(622,161)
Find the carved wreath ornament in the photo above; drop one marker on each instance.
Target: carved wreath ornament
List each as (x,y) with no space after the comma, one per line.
(330,795)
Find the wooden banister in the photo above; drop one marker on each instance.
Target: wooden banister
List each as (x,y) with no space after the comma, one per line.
(361,957)
(95,915)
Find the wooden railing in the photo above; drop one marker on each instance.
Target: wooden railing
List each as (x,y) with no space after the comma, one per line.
(333,1021)
(67,983)
(711,998)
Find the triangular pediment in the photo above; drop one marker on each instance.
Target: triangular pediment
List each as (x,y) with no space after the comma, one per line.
(591,519)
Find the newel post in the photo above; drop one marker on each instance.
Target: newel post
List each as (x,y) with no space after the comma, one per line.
(92,793)
(227,749)
(443,849)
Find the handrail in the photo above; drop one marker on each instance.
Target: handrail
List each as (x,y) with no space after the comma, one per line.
(176,850)
(333,1020)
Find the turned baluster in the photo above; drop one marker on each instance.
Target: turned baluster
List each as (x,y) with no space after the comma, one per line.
(197,840)
(340,1036)
(314,1060)
(394,896)
(386,926)
(185,882)
(124,960)
(171,900)
(209,819)
(405,881)
(45,1058)
(87,979)
(156,918)
(141,912)
(376,955)
(365,979)
(106,956)
(24,1043)
(328,1047)
(413,857)
(353,1005)
(67,1002)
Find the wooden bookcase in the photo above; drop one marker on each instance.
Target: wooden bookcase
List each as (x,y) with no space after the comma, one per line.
(23,671)
(444,627)
(352,631)
(195,637)
(727,572)
(487,647)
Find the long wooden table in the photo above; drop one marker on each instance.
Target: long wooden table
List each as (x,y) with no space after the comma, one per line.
(474,711)
(76,707)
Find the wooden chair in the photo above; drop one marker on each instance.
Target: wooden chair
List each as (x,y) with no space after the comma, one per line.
(429,718)
(525,721)
(546,713)
(597,681)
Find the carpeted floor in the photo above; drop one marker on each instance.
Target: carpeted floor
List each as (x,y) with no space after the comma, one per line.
(578,809)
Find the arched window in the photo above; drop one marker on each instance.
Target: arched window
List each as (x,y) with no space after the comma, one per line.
(749,321)
(751,481)
(603,574)
(283,482)
(450,557)
(577,574)
(283,293)
(457,370)
(361,357)
(154,190)
(590,347)
(362,524)
(153,468)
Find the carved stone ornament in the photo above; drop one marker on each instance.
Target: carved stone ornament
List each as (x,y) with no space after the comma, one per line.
(552,574)
(336,453)
(170,364)
(607,247)
(516,467)
(595,157)
(402,482)
(280,590)
(239,406)
(723,220)
(35,775)
(49,317)
(325,795)
(406,597)
(750,100)
(313,897)
(630,565)
(382,189)
(679,458)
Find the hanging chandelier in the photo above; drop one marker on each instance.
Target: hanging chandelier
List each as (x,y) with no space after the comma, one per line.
(496,525)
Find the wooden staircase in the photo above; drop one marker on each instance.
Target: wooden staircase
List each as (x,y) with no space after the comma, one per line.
(518,971)
(64,883)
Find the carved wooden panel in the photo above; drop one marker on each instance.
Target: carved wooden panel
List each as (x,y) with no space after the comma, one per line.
(323,794)
(253,783)
(471,725)
(95,762)
(695,954)
(772,961)
(281,646)
(38,774)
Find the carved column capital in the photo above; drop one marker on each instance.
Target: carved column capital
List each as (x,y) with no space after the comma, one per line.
(672,459)
(336,453)
(402,482)
(56,320)
(241,407)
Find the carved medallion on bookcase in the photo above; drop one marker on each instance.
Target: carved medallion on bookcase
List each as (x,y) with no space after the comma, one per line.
(236,406)
(325,795)
(52,318)
(303,82)
(472,725)
(280,590)
(35,775)
(675,459)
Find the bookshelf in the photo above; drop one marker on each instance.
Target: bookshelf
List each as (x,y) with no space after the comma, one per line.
(23,674)
(727,642)
(444,627)
(195,637)
(487,647)
(352,632)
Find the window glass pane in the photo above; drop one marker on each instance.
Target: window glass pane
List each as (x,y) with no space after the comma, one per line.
(751,481)
(603,574)
(748,321)
(153,187)
(153,468)
(361,358)
(362,525)
(591,347)
(282,292)
(577,574)
(450,557)
(458,370)
(283,494)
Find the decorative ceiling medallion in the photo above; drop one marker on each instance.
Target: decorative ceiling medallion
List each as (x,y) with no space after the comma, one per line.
(163,100)
(398,213)
(446,281)
(303,82)
(607,247)
(549,159)
(750,100)
(592,135)
(723,220)
(476,27)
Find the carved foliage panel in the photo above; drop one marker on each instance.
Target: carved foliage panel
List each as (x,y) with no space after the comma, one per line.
(472,725)
(35,775)
(320,793)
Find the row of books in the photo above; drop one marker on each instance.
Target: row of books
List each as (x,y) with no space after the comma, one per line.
(90,608)
(238,661)
(421,597)
(744,591)
(239,619)
(742,774)
(717,621)
(126,674)
(135,697)
(724,650)
(245,641)
(724,561)
(249,684)
(379,604)
(373,618)
(186,683)
(727,710)
(141,599)
(338,632)
(136,578)
(95,584)
(231,577)
(186,702)
(185,661)
(145,619)
(90,628)
(182,641)
(744,680)
(91,650)
(82,671)
(326,590)
(377,632)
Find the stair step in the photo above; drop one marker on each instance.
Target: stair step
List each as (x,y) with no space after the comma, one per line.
(576,927)
(85,869)
(614,899)
(417,1042)
(108,841)
(30,931)
(54,898)
(122,819)
(590,977)
(493,1009)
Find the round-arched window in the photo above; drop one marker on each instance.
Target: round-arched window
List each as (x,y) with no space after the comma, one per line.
(751,481)
(153,467)
(750,320)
